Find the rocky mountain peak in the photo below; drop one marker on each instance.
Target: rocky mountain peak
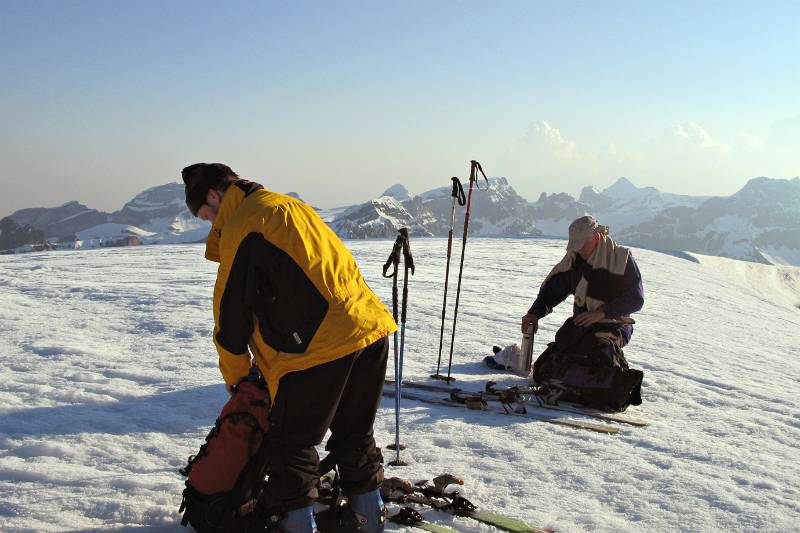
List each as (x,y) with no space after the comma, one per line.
(770,188)
(398,192)
(589,195)
(622,187)
(160,202)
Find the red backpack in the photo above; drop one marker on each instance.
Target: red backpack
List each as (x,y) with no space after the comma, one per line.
(226,477)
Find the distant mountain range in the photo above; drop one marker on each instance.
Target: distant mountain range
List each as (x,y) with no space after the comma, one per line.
(759,223)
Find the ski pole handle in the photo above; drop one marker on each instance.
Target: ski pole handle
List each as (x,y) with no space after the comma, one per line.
(475,166)
(407,257)
(408,262)
(458,192)
(394,257)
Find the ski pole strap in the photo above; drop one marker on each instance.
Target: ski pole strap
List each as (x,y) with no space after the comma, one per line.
(408,259)
(474,175)
(458,192)
(394,257)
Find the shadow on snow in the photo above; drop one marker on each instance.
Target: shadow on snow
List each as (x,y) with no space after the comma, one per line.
(173,412)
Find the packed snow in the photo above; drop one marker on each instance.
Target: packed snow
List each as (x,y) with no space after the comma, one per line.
(111,230)
(109,381)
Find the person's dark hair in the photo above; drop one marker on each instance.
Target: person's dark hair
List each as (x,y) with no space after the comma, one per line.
(201,177)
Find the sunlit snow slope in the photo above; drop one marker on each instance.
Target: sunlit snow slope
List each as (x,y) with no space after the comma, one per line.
(108,382)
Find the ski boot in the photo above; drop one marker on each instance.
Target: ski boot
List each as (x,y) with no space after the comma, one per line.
(369,510)
(363,513)
(298,521)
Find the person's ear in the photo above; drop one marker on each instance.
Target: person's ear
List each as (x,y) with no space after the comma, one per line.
(213,197)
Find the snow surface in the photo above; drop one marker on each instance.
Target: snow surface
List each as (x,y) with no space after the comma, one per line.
(111,230)
(76,215)
(109,381)
(139,204)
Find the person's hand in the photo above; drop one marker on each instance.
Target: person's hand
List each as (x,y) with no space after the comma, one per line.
(529,319)
(588,318)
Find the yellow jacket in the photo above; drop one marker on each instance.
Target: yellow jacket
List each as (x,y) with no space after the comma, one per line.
(287,288)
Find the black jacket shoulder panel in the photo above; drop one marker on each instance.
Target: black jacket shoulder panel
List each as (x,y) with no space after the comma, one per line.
(235,324)
(267,285)
(248,187)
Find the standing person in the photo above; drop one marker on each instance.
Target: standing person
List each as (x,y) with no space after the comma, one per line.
(290,299)
(607,289)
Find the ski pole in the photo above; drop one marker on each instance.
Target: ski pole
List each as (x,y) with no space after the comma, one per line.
(408,263)
(458,195)
(475,167)
(393,261)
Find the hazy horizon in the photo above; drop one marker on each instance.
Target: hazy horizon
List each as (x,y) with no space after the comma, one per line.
(102,100)
(370,195)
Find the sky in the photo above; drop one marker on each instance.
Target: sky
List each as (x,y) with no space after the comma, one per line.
(338,101)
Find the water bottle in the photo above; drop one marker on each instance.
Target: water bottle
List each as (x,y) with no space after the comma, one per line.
(526,352)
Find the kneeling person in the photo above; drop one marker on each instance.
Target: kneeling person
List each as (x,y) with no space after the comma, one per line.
(586,362)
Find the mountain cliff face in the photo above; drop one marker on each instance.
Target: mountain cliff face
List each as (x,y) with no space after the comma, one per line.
(380,217)
(155,216)
(496,210)
(759,223)
(162,213)
(12,235)
(60,222)
(164,203)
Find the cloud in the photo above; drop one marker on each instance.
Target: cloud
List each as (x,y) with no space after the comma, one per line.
(693,136)
(543,135)
(749,141)
(682,157)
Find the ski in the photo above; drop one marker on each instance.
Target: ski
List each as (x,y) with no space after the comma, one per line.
(570,408)
(523,401)
(483,406)
(525,393)
(434,496)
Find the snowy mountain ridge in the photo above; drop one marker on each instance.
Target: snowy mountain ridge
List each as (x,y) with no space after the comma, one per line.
(760,223)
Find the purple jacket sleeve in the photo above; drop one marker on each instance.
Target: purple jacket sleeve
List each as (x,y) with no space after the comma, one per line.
(632,297)
(554,292)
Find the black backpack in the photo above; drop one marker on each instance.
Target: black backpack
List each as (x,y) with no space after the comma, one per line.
(592,371)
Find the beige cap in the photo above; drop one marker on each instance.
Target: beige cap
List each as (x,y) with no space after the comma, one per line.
(581,230)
